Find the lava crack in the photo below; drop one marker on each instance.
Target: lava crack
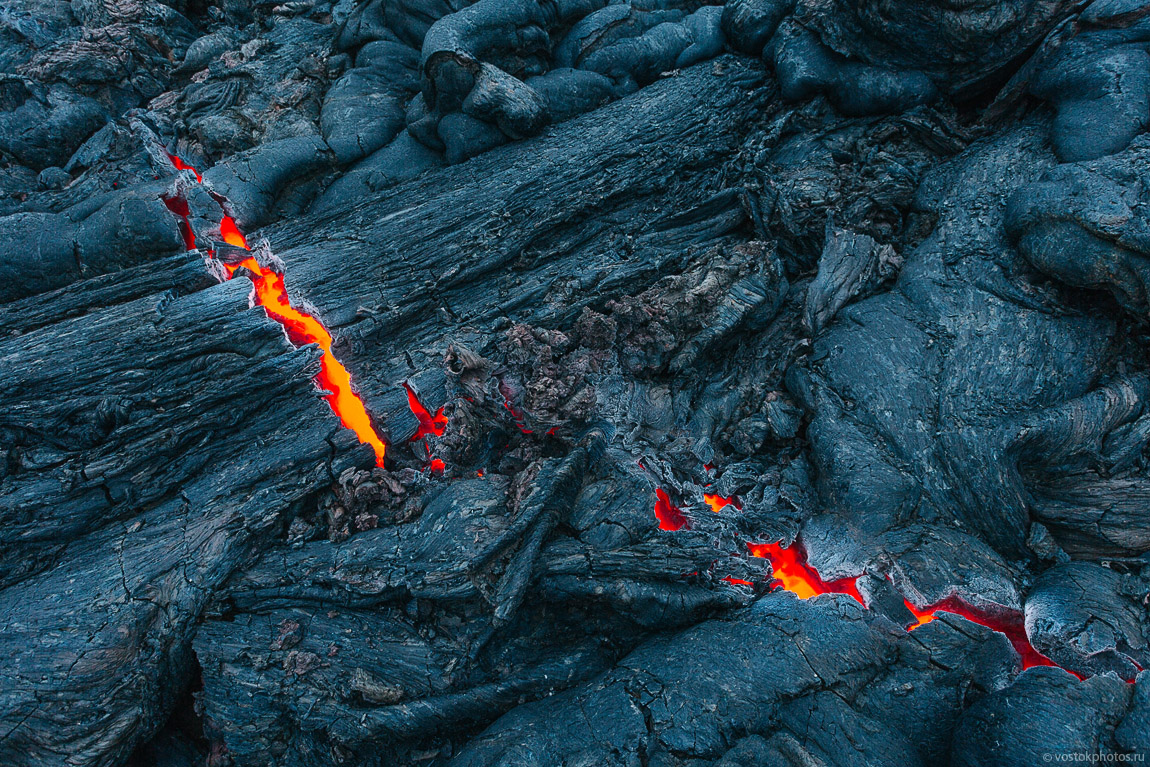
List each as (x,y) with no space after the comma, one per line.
(301,328)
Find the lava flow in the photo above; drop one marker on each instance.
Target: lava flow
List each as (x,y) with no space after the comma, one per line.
(796,575)
(301,329)
(428,423)
(670,516)
(717,502)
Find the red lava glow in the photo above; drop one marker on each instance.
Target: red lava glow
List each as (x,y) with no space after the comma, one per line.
(717,502)
(737,581)
(669,515)
(181,165)
(428,423)
(437,465)
(232,234)
(796,576)
(301,329)
(179,206)
(1009,623)
(922,617)
(515,414)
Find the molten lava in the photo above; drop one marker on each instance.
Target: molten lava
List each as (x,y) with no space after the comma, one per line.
(717,502)
(232,234)
(669,515)
(922,617)
(301,329)
(428,423)
(516,415)
(181,165)
(179,206)
(796,576)
(1009,623)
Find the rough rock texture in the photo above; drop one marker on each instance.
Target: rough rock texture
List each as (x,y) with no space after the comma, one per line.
(663,310)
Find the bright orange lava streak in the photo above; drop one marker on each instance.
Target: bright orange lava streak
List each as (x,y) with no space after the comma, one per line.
(301,329)
(796,576)
(232,234)
(717,502)
(669,515)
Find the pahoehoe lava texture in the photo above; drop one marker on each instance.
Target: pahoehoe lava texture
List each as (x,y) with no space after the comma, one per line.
(763,383)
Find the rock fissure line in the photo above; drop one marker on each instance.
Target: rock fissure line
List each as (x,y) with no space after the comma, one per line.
(792,572)
(301,328)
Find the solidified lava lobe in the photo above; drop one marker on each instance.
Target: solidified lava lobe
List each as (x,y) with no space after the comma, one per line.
(301,328)
(669,515)
(796,576)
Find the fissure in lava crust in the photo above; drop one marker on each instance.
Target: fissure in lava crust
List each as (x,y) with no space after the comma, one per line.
(301,328)
(793,573)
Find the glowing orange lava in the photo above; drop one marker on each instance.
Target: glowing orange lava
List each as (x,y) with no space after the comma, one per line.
(796,576)
(428,423)
(717,502)
(232,234)
(737,581)
(670,516)
(301,329)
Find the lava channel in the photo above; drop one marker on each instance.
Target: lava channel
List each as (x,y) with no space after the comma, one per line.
(301,328)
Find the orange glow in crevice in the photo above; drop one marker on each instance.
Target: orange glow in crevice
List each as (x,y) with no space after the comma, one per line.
(737,581)
(181,165)
(795,575)
(428,423)
(232,234)
(670,516)
(301,329)
(717,502)
(1009,623)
